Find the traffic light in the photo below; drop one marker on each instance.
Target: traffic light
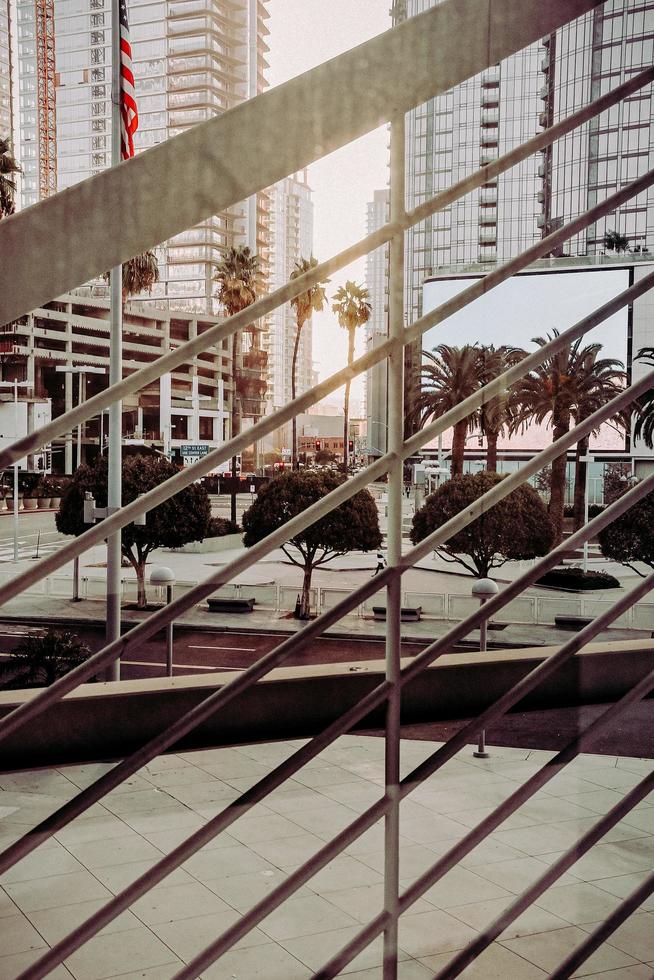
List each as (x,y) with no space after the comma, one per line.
(317,445)
(350,445)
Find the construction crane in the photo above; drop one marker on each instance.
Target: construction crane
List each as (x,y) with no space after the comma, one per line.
(46,97)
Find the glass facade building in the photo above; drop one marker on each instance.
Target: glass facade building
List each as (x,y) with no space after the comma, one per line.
(5,72)
(291,231)
(192,60)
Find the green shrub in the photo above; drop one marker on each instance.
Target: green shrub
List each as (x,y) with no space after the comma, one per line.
(218,527)
(575,578)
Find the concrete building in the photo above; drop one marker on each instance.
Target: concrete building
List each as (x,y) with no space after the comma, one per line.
(188,408)
(190,62)
(450,136)
(377,214)
(291,239)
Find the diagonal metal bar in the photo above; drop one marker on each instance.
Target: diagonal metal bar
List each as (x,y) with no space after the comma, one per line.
(191,719)
(604,930)
(570,857)
(147,501)
(490,823)
(139,379)
(374,698)
(172,610)
(138,204)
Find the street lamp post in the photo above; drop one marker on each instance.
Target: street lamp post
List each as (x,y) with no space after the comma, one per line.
(587,460)
(16,385)
(165,576)
(483,589)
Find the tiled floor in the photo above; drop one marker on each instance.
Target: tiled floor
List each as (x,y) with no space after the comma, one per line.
(69,878)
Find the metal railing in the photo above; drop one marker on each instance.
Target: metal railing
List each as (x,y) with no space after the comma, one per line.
(410,46)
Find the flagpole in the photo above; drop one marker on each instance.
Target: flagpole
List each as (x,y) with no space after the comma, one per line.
(115,435)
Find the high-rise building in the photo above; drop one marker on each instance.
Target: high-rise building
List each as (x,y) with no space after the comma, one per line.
(5,72)
(377,214)
(191,62)
(452,135)
(291,239)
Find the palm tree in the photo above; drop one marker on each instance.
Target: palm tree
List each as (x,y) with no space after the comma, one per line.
(352,308)
(140,274)
(496,414)
(236,275)
(311,301)
(449,375)
(556,392)
(644,425)
(604,379)
(8,166)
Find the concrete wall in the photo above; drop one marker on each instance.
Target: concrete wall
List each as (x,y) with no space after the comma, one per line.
(104,721)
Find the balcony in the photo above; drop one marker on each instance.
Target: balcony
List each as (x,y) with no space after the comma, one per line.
(488,216)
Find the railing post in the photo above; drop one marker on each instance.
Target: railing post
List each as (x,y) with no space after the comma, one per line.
(394,548)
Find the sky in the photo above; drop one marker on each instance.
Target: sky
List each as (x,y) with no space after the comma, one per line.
(304,33)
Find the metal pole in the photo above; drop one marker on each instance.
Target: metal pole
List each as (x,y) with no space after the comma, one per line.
(79,427)
(481,752)
(169,636)
(588,460)
(16,475)
(114,451)
(394,546)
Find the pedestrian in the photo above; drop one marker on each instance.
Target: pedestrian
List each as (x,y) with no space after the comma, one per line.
(381,563)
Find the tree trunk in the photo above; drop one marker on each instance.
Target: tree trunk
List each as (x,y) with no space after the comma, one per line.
(305,598)
(491,452)
(141,596)
(346,401)
(235,425)
(293,385)
(581,469)
(557,494)
(458,447)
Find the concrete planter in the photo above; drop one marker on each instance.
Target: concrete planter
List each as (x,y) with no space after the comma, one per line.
(55,501)
(44,503)
(3,504)
(30,503)
(225,542)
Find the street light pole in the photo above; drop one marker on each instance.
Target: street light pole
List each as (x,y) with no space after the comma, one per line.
(587,460)
(165,576)
(484,589)
(15,385)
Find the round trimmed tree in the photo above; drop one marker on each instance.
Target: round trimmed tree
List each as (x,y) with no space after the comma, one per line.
(178,520)
(353,526)
(517,527)
(630,538)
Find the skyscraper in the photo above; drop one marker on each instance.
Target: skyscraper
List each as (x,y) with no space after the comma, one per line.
(488,115)
(191,62)
(5,72)
(291,239)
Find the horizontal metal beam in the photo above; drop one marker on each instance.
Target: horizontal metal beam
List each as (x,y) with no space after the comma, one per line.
(173,186)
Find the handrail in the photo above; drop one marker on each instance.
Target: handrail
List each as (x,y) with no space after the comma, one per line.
(216,164)
(185,477)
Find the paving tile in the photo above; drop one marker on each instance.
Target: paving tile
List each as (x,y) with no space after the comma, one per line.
(578,903)
(298,798)
(414,859)
(49,782)
(316,950)
(242,891)
(489,851)
(515,875)
(623,885)
(614,778)
(17,935)
(165,971)
(187,937)
(168,903)
(118,876)
(325,822)
(544,838)
(182,776)
(366,901)
(42,863)
(96,828)
(341,870)
(167,840)
(635,936)
(480,914)
(289,852)
(547,949)
(637,972)
(225,861)
(325,776)
(406,970)
(12,966)
(598,800)
(267,962)
(7,907)
(250,830)
(172,817)
(432,827)
(495,963)
(140,801)
(607,860)
(424,933)
(460,887)
(198,794)
(304,917)
(121,952)
(56,922)
(47,893)
(642,819)
(117,850)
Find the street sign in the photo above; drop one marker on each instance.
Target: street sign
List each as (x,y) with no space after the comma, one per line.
(190,449)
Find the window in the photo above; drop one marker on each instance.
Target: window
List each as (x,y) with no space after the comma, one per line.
(97,37)
(97,75)
(97,20)
(98,91)
(98,125)
(99,142)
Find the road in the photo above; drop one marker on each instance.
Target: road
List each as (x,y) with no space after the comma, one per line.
(197,650)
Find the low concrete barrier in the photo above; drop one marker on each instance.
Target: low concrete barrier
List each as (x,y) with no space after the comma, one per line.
(110,720)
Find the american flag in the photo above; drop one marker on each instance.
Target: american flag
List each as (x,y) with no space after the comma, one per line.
(129,117)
